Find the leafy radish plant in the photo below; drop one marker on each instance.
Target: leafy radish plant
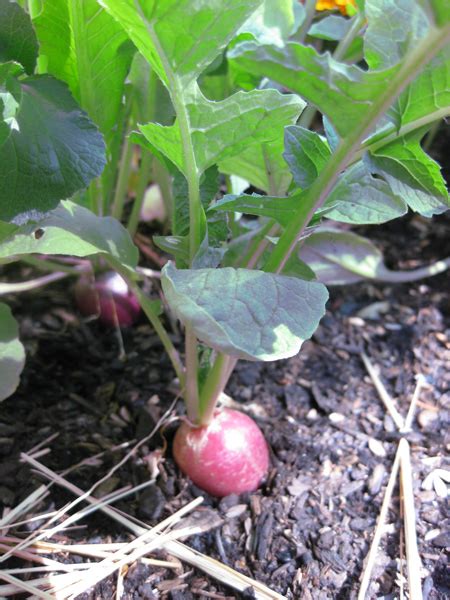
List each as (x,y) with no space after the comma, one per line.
(247,273)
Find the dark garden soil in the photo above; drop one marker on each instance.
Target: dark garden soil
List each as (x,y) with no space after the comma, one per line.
(306,532)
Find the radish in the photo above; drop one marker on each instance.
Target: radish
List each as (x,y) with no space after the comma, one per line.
(107,297)
(228,456)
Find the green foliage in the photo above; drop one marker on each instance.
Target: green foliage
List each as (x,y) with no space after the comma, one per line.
(208,96)
(49,149)
(17,38)
(394,28)
(221,130)
(12,353)
(412,174)
(52,151)
(74,231)
(332,28)
(81,44)
(343,257)
(344,93)
(180,37)
(247,314)
(306,153)
(360,198)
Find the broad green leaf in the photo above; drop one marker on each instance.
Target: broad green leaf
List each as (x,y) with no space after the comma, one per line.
(273,22)
(428,95)
(75,231)
(412,174)
(332,28)
(263,165)
(279,209)
(175,245)
(85,47)
(151,99)
(306,153)
(251,164)
(342,257)
(53,151)
(209,186)
(245,313)
(6,229)
(17,38)
(393,29)
(295,267)
(344,93)
(12,353)
(360,198)
(332,137)
(180,36)
(441,10)
(9,105)
(220,130)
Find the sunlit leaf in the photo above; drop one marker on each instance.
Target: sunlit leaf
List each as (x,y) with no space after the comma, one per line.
(12,353)
(53,149)
(17,38)
(75,231)
(221,130)
(244,313)
(180,36)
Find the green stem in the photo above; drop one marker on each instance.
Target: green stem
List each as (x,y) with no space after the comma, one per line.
(243,263)
(144,177)
(178,94)
(213,387)
(120,192)
(345,43)
(431,135)
(191,395)
(149,309)
(310,11)
(318,192)
(391,134)
(48,265)
(32,284)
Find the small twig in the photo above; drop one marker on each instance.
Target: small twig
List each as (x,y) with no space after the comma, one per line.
(23,507)
(31,284)
(370,559)
(412,552)
(382,392)
(25,587)
(412,407)
(148,272)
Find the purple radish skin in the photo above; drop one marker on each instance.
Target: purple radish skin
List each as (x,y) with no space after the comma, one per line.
(109,298)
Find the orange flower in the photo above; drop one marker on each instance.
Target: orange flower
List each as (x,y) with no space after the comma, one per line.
(345,6)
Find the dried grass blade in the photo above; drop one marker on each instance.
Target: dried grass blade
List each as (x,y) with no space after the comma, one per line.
(412,407)
(225,574)
(31,500)
(370,559)
(413,561)
(25,586)
(382,392)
